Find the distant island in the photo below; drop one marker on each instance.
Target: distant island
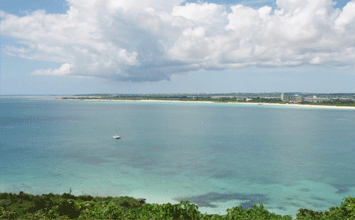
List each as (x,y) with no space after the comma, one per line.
(314,99)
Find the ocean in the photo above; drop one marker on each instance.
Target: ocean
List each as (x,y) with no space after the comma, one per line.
(215,155)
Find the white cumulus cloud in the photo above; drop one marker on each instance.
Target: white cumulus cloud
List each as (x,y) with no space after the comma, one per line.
(63,70)
(152,40)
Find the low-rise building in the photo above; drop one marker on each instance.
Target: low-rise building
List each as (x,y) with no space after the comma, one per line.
(315,99)
(291,98)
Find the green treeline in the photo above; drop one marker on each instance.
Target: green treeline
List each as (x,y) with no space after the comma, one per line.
(67,206)
(333,102)
(258,99)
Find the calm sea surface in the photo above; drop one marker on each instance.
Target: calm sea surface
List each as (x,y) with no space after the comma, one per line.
(215,155)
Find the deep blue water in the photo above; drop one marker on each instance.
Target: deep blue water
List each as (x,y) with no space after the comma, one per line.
(215,155)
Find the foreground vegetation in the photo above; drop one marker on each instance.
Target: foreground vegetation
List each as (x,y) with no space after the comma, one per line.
(67,206)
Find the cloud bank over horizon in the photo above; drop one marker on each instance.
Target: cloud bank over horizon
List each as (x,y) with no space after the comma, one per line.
(153,40)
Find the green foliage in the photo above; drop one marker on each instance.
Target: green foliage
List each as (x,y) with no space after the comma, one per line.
(333,102)
(68,196)
(309,214)
(258,99)
(345,211)
(253,214)
(128,202)
(85,197)
(184,210)
(67,206)
(7,214)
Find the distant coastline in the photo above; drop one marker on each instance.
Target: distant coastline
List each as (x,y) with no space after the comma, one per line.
(241,103)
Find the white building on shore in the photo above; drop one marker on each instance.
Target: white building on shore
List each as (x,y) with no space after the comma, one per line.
(291,97)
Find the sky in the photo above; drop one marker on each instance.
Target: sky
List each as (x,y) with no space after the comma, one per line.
(176,46)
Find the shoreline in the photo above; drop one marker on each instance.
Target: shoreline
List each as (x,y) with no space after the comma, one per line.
(235,103)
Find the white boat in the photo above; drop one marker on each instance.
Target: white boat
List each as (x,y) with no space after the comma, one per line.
(116,137)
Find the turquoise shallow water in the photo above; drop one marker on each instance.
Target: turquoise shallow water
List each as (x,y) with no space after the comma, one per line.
(215,155)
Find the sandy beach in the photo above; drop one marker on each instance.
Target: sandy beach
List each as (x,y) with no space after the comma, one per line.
(232,103)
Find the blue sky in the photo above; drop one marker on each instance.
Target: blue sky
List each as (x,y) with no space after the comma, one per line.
(158,46)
